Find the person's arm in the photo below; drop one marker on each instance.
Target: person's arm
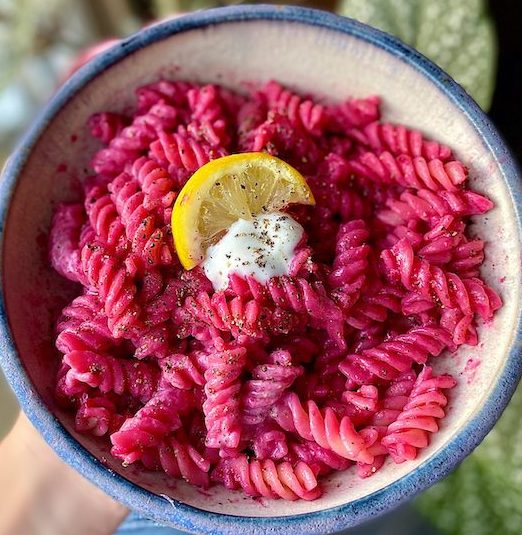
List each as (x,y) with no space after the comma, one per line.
(41,495)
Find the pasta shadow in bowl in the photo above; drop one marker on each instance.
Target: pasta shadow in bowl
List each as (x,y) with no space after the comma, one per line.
(333,59)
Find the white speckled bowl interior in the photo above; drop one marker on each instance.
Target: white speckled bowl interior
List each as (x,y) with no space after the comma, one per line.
(308,58)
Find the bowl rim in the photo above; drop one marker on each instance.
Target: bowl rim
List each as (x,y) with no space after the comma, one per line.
(177,514)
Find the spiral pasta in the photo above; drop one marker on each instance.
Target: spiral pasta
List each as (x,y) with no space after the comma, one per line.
(182,371)
(425,204)
(268,479)
(209,114)
(278,136)
(350,263)
(157,185)
(97,416)
(391,404)
(159,417)
(397,139)
(106,125)
(437,246)
(133,140)
(268,386)
(268,442)
(222,404)
(314,455)
(179,459)
(171,92)
(410,431)
(375,307)
(467,257)
(83,326)
(353,114)
(148,239)
(268,383)
(114,286)
(182,153)
(104,221)
(110,374)
(395,355)
(64,241)
(237,315)
(470,296)
(416,172)
(326,430)
(303,113)
(301,297)
(362,402)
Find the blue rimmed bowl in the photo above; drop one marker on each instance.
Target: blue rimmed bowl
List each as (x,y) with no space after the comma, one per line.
(312,52)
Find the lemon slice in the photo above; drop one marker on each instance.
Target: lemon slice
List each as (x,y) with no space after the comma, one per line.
(224,190)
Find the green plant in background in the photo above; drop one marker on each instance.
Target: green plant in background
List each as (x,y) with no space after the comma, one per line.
(457,35)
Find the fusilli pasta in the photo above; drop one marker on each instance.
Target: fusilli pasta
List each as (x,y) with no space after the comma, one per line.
(267,386)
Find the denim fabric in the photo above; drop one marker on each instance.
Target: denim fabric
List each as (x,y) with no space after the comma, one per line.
(135,525)
(403,521)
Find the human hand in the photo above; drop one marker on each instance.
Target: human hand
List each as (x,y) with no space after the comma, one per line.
(41,495)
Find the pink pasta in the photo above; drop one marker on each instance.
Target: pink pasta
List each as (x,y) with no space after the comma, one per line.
(236,315)
(107,276)
(397,139)
(268,479)
(106,125)
(180,460)
(466,296)
(350,264)
(159,417)
(416,173)
(182,371)
(84,326)
(133,140)
(157,185)
(64,241)
(301,297)
(397,354)
(111,374)
(303,113)
(410,431)
(325,429)
(266,387)
(211,121)
(351,115)
(269,381)
(425,204)
(323,460)
(104,220)
(98,416)
(222,404)
(182,153)
(147,238)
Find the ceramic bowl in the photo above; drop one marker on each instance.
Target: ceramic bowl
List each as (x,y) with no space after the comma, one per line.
(312,52)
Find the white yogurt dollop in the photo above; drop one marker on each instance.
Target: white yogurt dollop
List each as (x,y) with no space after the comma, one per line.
(262,248)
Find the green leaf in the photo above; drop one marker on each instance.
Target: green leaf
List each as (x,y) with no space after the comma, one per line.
(458,36)
(483,496)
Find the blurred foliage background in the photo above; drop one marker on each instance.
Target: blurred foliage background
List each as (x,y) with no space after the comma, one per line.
(40,39)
